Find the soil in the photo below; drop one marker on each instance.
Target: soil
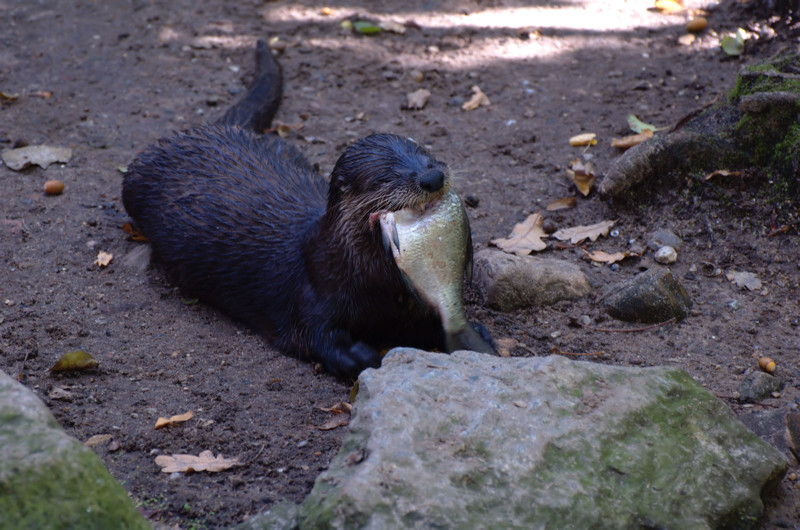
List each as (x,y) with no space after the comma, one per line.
(109,78)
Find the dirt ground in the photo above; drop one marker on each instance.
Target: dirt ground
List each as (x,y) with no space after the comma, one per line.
(109,78)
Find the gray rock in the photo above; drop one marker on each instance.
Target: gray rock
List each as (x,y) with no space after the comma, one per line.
(470,441)
(664,238)
(758,386)
(49,480)
(281,516)
(510,282)
(650,297)
(775,427)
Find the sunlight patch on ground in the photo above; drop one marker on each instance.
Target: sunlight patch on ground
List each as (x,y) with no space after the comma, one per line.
(576,26)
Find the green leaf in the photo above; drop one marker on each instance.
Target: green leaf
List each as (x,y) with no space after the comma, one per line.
(366,28)
(638,125)
(734,44)
(74,361)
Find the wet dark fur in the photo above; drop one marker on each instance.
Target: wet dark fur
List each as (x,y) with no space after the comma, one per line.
(243,222)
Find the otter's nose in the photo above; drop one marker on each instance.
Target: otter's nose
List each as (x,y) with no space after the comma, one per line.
(432,180)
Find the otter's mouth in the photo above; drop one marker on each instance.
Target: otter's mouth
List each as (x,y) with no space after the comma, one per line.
(411,211)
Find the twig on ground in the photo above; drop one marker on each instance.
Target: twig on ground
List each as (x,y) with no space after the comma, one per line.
(630,330)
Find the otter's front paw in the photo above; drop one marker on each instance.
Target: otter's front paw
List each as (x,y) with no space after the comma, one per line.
(481,330)
(349,362)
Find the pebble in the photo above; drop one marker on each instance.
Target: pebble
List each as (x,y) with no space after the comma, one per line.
(666,255)
(758,386)
(471,200)
(664,238)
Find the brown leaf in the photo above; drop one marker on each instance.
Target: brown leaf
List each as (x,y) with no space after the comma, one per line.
(190,463)
(626,142)
(97,439)
(339,408)
(524,238)
(722,173)
(583,140)
(577,234)
(74,361)
(582,174)
(604,257)
(669,7)
(478,99)
(134,232)
(504,346)
(562,204)
(178,418)
(339,420)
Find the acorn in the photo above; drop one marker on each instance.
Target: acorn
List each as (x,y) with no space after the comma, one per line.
(766,364)
(696,25)
(53,187)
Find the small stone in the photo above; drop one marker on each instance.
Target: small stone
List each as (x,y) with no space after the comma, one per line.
(651,297)
(758,386)
(510,282)
(471,200)
(664,238)
(666,255)
(416,75)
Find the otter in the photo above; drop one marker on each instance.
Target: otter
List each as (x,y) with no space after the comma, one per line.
(242,221)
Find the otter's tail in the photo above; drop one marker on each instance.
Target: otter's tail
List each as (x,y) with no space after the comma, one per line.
(256,110)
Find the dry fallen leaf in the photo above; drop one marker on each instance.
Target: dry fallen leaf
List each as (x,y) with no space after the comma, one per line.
(97,439)
(40,155)
(103,258)
(178,418)
(393,27)
(418,99)
(577,234)
(524,238)
(669,7)
(722,173)
(74,361)
(61,393)
(478,99)
(603,257)
(283,130)
(582,140)
(626,142)
(744,280)
(504,346)
(582,174)
(339,408)
(561,204)
(339,420)
(190,463)
(134,232)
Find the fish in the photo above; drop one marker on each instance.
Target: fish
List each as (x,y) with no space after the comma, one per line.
(432,247)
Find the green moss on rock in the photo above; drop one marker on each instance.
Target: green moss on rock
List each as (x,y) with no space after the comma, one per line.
(49,480)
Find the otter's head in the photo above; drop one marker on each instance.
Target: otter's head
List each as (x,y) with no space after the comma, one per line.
(380,173)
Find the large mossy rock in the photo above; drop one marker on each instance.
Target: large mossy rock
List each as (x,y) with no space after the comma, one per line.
(472,441)
(754,126)
(49,480)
